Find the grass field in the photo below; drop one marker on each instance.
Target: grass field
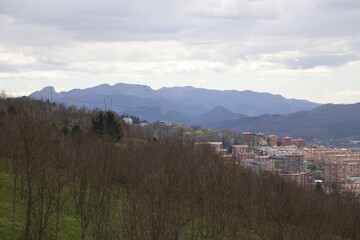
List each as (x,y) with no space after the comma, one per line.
(12,225)
(13,228)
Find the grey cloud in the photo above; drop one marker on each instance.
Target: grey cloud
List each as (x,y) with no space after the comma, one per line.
(117,20)
(336,5)
(7,68)
(92,18)
(320,60)
(239,10)
(237,29)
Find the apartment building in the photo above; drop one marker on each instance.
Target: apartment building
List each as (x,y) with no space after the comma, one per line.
(242,152)
(287,141)
(294,163)
(304,179)
(320,154)
(340,172)
(273,140)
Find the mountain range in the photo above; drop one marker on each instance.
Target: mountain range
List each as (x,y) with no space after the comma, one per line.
(230,109)
(331,124)
(183,104)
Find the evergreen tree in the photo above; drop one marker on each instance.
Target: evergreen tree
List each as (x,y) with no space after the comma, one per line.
(107,124)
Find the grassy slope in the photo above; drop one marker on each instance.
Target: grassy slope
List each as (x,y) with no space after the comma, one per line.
(6,208)
(70,228)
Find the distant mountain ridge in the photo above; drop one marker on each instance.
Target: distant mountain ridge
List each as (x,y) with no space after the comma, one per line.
(187,101)
(217,114)
(245,102)
(118,97)
(330,124)
(230,109)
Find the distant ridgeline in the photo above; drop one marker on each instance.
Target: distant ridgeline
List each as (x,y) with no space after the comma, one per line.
(330,124)
(236,110)
(186,105)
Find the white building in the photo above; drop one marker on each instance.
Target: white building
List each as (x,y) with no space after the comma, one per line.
(128,120)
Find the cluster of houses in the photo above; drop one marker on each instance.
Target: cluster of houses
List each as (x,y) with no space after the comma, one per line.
(290,158)
(286,161)
(341,167)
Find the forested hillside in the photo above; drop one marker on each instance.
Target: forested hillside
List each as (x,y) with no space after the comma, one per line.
(74,174)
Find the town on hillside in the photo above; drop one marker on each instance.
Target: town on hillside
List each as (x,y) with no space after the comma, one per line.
(312,167)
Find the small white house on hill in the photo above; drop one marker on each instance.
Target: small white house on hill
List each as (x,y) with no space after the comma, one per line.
(128,121)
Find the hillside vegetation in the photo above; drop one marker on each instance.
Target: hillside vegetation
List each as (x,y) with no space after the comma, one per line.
(61,183)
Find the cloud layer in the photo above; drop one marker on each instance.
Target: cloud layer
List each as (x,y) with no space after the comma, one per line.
(241,44)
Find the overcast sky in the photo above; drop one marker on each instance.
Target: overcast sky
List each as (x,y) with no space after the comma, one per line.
(308,49)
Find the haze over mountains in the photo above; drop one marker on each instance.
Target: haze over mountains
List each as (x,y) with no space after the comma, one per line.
(230,109)
(178,104)
(334,124)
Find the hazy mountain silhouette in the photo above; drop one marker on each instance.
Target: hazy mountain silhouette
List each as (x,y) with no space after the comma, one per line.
(221,109)
(217,114)
(326,123)
(188,101)
(244,102)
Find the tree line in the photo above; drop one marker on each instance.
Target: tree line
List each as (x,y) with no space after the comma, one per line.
(121,189)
